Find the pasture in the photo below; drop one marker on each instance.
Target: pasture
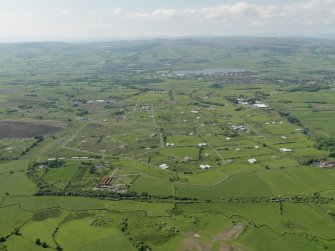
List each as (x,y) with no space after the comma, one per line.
(143,146)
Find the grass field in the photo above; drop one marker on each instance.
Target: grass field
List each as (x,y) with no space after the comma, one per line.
(141,145)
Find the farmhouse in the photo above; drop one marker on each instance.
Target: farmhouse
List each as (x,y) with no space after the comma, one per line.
(261,106)
(202,144)
(205,167)
(163,166)
(145,108)
(186,159)
(252,161)
(242,101)
(285,150)
(326,164)
(240,128)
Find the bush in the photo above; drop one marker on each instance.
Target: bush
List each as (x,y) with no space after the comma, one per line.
(45,245)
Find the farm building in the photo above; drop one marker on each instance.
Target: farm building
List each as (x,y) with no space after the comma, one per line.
(202,144)
(285,150)
(261,106)
(326,164)
(239,128)
(163,166)
(242,101)
(252,161)
(106,181)
(205,167)
(145,108)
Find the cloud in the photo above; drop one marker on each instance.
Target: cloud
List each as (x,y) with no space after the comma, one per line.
(94,13)
(257,23)
(313,9)
(117,12)
(65,12)
(158,14)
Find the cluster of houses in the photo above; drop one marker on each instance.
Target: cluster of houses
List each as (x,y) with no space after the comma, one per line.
(274,122)
(239,128)
(145,108)
(81,158)
(100,101)
(326,164)
(74,158)
(53,159)
(257,104)
(202,74)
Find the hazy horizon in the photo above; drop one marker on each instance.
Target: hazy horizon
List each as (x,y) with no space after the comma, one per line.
(102,20)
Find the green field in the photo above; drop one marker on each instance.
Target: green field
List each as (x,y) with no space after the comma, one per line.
(107,146)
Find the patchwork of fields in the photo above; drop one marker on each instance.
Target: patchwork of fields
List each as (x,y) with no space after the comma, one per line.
(141,161)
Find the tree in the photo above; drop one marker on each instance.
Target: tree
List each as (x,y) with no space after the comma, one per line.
(38,242)
(45,245)
(59,248)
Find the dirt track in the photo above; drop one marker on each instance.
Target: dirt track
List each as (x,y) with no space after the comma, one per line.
(225,239)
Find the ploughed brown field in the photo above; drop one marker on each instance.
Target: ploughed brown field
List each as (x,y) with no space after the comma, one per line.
(24,129)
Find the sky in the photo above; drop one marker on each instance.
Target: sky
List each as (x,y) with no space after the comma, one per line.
(94,20)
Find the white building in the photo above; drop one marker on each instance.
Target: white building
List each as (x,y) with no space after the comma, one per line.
(285,150)
(205,167)
(261,106)
(252,161)
(163,166)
